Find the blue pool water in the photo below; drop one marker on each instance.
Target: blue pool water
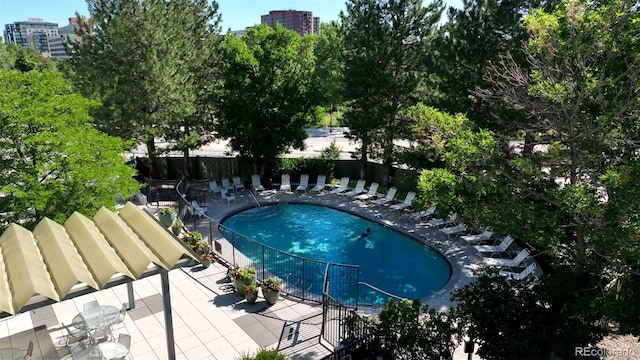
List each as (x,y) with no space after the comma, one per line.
(388,260)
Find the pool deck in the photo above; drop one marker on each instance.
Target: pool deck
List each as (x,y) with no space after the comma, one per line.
(212,322)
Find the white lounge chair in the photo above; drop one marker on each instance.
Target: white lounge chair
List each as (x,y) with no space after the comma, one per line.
(451,219)
(304,183)
(453,230)
(344,186)
(255,183)
(320,183)
(227,184)
(372,193)
(475,238)
(237,183)
(199,210)
(213,186)
(507,262)
(285,183)
(521,275)
(502,247)
(391,195)
(417,216)
(359,189)
(406,203)
(228,196)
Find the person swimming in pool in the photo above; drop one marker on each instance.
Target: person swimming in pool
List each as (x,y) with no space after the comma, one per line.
(366,232)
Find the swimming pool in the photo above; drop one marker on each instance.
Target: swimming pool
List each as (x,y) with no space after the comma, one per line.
(388,259)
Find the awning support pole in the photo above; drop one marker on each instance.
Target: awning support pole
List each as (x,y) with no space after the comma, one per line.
(132,301)
(168,321)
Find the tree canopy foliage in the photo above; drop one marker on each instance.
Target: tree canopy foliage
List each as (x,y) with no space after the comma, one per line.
(151,64)
(268,94)
(54,161)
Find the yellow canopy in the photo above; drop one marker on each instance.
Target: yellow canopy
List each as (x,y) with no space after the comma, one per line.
(52,259)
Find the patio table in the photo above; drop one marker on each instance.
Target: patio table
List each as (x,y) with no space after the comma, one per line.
(94,318)
(11,354)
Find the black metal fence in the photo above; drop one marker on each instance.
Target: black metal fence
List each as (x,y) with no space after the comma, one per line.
(350,334)
(301,277)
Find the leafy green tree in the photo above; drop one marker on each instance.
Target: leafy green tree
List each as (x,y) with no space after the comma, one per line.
(411,331)
(268,93)
(525,319)
(14,57)
(148,62)
(330,66)
(385,46)
(54,161)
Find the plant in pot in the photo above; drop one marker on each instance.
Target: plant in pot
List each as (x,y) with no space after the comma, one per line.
(192,238)
(244,276)
(205,259)
(251,293)
(176,227)
(167,216)
(271,289)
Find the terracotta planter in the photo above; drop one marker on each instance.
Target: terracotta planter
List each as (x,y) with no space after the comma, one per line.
(271,296)
(168,219)
(205,263)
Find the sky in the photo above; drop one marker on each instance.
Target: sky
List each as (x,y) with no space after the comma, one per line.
(236,14)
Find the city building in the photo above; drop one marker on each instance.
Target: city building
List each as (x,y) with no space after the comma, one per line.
(65,34)
(31,34)
(301,22)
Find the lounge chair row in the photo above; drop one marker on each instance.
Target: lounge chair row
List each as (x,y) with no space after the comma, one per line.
(285,183)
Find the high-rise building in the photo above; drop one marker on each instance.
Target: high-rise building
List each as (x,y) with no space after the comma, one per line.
(301,22)
(65,34)
(32,34)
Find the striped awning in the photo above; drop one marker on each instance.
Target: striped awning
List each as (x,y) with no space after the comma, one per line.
(53,259)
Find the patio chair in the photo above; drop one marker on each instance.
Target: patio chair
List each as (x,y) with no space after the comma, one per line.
(406,203)
(255,183)
(226,184)
(213,187)
(502,247)
(450,220)
(390,197)
(72,335)
(320,183)
(359,189)
(124,339)
(93,304)
(121,315)
(520,275)
(229,197)
(199,210)
(419,215)
(476,238)
(304,183)
(513,262)
(237,183)
(285,183)
(344,186)
(372,193)
(453,230)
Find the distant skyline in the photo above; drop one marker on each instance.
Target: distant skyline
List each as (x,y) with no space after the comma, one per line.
(236,14)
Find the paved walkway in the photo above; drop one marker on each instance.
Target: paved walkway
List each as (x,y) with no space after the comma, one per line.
(210,321)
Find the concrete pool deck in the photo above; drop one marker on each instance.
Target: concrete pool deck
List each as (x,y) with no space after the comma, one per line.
(211,322)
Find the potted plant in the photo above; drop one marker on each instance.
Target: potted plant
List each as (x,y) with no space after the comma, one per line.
(244,276)
(176,227)
(251,293)
(167,216)
(192,238)
(205,259)
(271,289)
